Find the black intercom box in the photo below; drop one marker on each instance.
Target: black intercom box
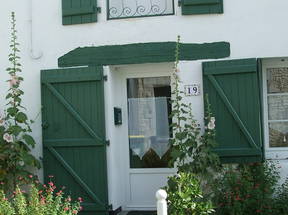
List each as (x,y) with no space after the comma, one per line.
(117,116)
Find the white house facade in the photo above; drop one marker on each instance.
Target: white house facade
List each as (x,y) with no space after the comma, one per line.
(97,82)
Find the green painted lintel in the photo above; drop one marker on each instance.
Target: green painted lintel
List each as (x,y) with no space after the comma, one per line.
(142,53)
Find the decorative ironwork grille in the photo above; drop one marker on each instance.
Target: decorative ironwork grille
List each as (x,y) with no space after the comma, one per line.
(118,9)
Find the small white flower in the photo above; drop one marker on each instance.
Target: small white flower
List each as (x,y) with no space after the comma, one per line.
(21,163)
(212,119)
(211,125)
(8,138)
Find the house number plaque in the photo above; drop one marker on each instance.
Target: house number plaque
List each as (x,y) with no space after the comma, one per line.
(192,90)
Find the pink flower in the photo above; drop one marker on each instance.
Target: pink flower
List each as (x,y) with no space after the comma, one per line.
(80,199)
(51,183)
(30,176)
(74,212)
(59,193)
(14,81)
(8,138)
(66,209)
(2,122)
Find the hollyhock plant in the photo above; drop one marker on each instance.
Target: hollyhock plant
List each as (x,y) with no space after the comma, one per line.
(15,139)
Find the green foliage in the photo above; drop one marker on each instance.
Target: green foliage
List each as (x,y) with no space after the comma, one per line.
(247,189)
(15,140)
(38,202)
(185,196)
(281,199)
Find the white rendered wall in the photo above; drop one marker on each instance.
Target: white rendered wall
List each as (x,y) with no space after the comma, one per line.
(253,28)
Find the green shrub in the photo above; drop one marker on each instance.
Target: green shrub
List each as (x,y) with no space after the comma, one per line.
(247,189)
(37,201)
(281,199)
(185,196)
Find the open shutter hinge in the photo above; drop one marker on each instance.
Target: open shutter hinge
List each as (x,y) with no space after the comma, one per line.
(107,142)
(105,78)
(179,3)
(98,9)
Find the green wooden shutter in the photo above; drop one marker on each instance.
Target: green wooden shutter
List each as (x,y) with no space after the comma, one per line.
(79,11)
(74,142)
(190,7)
(234,94)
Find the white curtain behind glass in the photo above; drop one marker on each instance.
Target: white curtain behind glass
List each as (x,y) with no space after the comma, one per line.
(148,125)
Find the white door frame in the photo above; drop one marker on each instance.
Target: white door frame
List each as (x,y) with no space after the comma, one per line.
(139,71)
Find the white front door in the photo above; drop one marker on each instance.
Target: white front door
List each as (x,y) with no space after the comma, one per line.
(147,97)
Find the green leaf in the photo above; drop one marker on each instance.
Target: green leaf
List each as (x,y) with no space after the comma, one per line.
(15,130)
(21,117)
(29,140)
(12,111)
(9,95)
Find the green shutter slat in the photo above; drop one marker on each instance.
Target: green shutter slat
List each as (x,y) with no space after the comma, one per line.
(200,2)
(233,91)
(74,139)
(230,69)
(194,7)
(232,153)
(71,142)
(79,11)
(79,75)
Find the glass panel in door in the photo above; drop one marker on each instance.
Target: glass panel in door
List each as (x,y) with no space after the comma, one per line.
(149,109)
